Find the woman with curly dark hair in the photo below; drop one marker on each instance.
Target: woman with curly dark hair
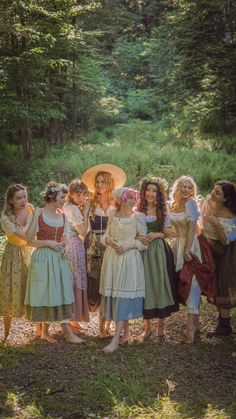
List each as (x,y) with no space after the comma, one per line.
(219,222)
(160,285)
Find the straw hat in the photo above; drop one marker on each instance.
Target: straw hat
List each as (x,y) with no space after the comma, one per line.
(118,175)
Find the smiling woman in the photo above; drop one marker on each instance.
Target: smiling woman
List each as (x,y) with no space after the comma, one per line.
(16,257)
(49,294)
(100,180)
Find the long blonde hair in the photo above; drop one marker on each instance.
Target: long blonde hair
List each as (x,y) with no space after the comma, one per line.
(176,187)
(8,208)
(96,198)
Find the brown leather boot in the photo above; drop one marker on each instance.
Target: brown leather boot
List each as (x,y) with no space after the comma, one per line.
(223,327)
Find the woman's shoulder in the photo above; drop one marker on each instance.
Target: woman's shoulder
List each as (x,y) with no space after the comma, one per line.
(30,208)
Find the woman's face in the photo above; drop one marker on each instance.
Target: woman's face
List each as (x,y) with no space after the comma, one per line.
(217,194)
(60,199)
(187,190)
(151,194)
(19,200)
(79,198)
(101,185)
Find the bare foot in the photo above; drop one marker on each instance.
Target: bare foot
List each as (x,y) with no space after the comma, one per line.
(76,325)
(112,347)
(38,330)
(73,339)
(48,338)
(103,334)
(124,339)
(160,332)
(146,334)
(108,327)
(75,331)
(190,335)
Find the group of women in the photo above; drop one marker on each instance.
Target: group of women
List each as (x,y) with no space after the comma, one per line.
(99,246)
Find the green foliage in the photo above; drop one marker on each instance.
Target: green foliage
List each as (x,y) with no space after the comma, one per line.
(164,151)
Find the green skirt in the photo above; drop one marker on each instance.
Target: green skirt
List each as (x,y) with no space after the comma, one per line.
(161,297)
(49,294)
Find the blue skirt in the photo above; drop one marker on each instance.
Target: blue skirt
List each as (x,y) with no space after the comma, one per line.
(118,309)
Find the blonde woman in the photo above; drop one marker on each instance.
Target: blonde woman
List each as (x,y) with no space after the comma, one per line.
(190,252)
(17,253)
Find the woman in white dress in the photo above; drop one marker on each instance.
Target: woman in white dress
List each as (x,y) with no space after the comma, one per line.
(122,283)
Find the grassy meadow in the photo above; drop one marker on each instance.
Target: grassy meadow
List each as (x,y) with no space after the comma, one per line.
(138,147)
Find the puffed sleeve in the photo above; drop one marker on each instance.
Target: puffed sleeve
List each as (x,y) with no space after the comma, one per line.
(192,210)
(231,236)
(29,221)
(141,229)
(7,225)
(141,223)
(73,214)
(66,227)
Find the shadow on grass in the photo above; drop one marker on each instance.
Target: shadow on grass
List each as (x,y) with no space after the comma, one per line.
(157,378)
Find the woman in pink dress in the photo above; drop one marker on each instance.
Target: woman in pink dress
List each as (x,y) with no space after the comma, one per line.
(78,225)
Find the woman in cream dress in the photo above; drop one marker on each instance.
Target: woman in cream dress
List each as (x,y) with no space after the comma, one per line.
(122,275)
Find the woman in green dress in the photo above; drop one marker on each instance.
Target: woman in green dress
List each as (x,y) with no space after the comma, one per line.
(160,280)
(49,294)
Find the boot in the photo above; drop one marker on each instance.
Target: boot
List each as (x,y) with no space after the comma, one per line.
(223,327)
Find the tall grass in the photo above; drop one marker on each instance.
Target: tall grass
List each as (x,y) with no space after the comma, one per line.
(139,148)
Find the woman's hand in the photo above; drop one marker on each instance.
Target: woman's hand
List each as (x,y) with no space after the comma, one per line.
(122,249)
(170,233)
(110,242)
(54,245)
(211,219)
(87,206)
(37,212)
(187,256)
(153,236)
(143,239)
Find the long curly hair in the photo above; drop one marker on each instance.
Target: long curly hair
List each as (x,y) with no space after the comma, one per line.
(8,208)
(96,198)
(176,190)
(161,205)
(229,191)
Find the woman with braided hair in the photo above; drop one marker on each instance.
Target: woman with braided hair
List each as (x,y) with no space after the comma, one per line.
(160,285)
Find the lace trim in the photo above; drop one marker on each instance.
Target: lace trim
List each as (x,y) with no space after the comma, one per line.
(123,294)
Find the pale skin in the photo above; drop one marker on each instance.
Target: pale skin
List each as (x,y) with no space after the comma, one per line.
(125,211)
(187,193)
(19,202)
(219,210)
(52,211)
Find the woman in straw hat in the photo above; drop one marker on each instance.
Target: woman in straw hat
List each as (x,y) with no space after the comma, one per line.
(100,180)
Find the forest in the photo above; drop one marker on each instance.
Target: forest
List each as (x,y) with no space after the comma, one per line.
(80,74)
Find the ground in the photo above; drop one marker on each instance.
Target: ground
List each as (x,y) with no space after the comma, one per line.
(158,378)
